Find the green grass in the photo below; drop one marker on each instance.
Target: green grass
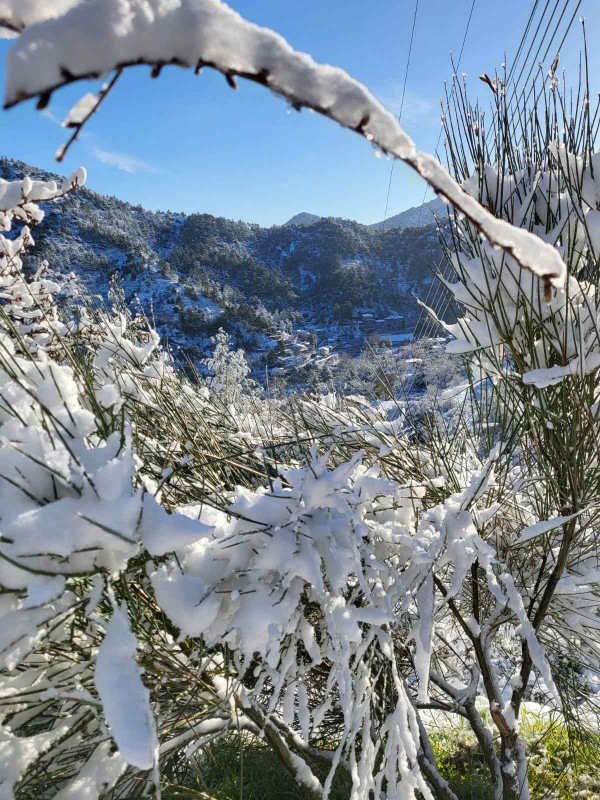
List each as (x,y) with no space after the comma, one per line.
(243,768)
(562,765)
(228,771)
(239,768)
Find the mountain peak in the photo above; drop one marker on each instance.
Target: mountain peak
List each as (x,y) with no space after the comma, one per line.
(303,218)
(415,217)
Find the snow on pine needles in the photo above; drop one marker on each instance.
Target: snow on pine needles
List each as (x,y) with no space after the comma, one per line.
(180,563)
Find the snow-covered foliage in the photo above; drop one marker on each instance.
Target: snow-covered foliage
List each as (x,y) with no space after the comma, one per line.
(70,515)
(100,35)
(28,304)
(172,570)
(228,368)
(559,201)
(533,355)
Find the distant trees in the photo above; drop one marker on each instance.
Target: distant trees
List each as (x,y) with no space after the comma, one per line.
(342,312)
(228,369)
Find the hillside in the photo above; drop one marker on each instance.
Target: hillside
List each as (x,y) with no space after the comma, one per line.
(195,273)
(415,217)
(303,218)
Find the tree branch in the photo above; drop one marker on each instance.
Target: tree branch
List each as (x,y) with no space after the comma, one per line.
(268,60)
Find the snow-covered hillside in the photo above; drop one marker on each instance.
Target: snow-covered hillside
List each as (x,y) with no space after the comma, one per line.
(415,217)
(303,218)
(195,273)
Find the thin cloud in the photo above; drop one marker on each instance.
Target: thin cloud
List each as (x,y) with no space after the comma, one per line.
(415,110)
(45,112)
(123,161)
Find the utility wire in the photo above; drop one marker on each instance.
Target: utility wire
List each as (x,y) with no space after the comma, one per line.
(516,95)
(543,59)
(522,42)
(412,34)
(462,47)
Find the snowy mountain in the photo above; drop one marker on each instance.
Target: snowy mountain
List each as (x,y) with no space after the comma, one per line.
(303,218)
(195,273)
(415,217)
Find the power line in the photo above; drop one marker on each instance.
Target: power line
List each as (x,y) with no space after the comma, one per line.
(523,38)
(412,34)
(535,62)
(516,95)
(462,47)
(545,55)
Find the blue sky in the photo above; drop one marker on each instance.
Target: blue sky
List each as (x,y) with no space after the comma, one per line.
(192,144)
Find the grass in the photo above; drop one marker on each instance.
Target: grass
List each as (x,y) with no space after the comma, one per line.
(239,768)
(243,768)
(562,765)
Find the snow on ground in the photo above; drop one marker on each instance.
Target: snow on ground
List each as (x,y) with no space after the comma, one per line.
(398,337)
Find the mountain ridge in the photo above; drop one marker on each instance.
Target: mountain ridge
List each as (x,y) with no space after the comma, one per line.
(415,217)
(194,273)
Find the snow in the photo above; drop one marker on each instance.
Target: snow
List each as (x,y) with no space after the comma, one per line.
(550,376)
(162,533)
(536,649)
(78,178)
(39,594)
(99,35)
(398,337)
(544,526)
(102,769)
(187,600)
(125,699)
(17,753)
(21,13)
(423,636)
(80,110)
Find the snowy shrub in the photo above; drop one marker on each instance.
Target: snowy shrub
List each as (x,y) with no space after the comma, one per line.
(70,519)
(229,369)
(532,356)
(28,302)
(323,578)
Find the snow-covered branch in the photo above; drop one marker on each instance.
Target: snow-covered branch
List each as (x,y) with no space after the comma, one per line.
(16,15)
(100,35)
(27,303)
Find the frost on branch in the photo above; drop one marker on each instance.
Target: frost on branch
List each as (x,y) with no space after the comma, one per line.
(100,35)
